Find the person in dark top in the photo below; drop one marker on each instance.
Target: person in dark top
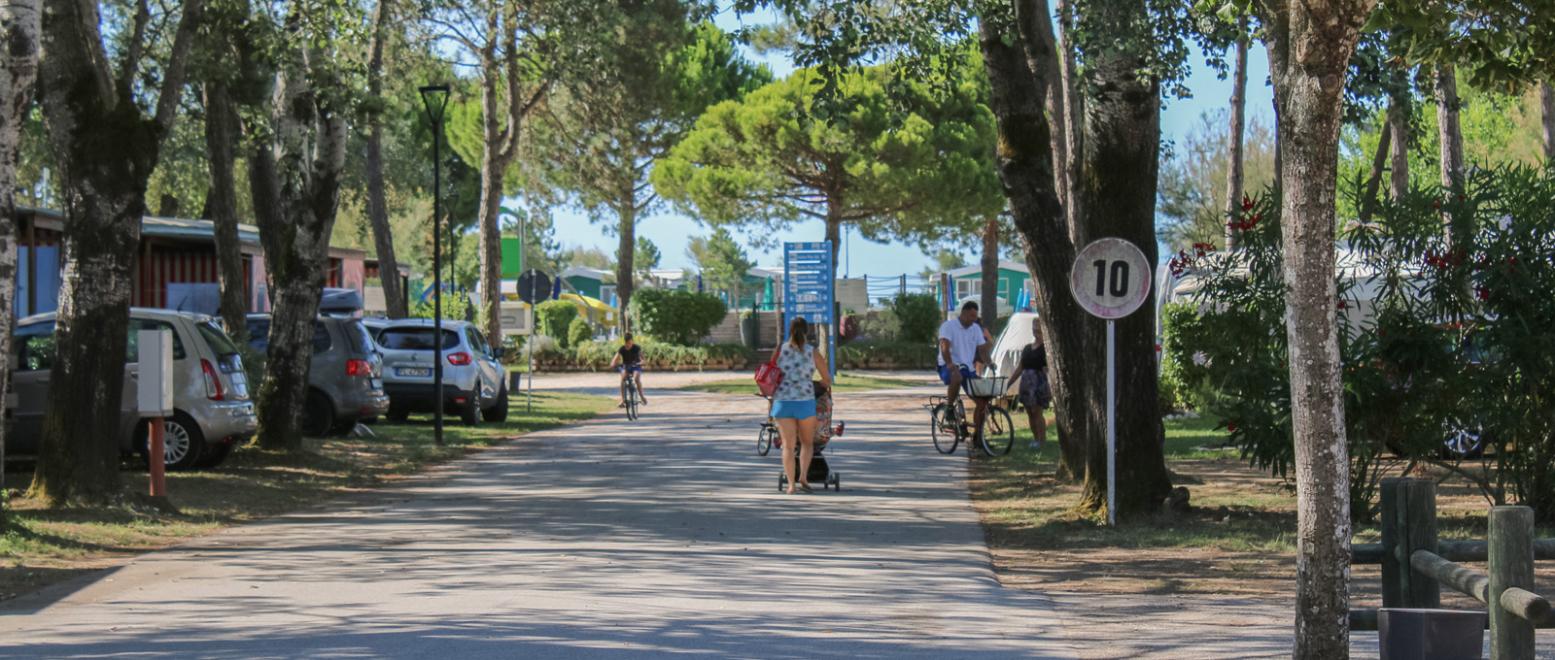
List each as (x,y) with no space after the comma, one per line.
(629,360)
(1035,392)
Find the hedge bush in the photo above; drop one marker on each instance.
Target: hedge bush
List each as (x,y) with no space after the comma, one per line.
(596,356)
(677,317)
(864,354)
(579,331)
(553,318)
(919,316)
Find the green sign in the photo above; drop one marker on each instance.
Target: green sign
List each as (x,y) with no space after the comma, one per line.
(512,257)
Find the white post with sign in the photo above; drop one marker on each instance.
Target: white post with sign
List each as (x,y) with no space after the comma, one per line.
(1111,279)
(154,398)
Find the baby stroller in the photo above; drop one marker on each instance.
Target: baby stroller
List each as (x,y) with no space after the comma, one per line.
(820,472)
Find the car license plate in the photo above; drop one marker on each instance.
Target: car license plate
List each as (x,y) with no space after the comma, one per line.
(413,372)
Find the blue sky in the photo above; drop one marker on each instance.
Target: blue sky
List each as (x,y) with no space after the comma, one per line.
(672,231)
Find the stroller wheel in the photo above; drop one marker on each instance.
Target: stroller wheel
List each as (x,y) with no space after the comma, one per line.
(782,483)
(835,481)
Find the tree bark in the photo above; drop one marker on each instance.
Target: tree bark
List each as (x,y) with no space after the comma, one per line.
(222,128)
(626,231)
(1074,111)
(1310,43)
(1450,136)
(500,81)
(298,177)
(106,149)
(1379,161)
(1547,119)
(1122,157)
(1398,125)
(1017,93)
(1238,128)
(377,201)
(990,273)
(20,23)
(834,206)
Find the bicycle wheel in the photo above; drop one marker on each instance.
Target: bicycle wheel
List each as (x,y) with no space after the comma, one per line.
(766,439)
(998,432)
(945,430)
(631,401)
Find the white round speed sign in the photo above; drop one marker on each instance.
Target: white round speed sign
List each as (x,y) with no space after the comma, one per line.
(1110,278)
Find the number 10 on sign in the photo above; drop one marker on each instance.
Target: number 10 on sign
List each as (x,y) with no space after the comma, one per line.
(1103,281)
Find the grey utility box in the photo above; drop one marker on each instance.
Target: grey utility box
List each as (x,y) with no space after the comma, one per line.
(1430,634)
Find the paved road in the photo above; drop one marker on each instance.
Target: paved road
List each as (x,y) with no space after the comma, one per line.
(661,538)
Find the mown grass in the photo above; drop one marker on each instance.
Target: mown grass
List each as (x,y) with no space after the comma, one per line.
(42,544)
(843,383)
(1026,505)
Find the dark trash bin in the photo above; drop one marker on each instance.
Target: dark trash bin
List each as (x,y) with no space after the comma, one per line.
(1430,634)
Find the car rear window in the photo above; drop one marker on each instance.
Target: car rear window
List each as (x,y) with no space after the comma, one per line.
(321,341)
(357,337)
(414,339)
(35,347)
(220,343)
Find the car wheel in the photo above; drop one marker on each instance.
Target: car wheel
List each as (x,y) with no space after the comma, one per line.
(1464,443)
(183,444)
(397,414)
(498,412)
(318,415)
(470,414)
(215,454)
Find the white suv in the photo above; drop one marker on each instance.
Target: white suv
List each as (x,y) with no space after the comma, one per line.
(474,381)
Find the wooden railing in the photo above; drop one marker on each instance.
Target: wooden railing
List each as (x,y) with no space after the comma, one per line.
(1415,564)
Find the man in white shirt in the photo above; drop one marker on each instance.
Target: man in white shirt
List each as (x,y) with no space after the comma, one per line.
(962,342)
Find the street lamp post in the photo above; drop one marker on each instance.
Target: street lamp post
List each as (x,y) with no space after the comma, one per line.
(435,97)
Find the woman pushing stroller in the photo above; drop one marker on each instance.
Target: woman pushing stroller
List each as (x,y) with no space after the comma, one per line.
(793,407)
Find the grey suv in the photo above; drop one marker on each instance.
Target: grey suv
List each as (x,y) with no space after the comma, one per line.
(345,374)
(212,411)
(474,381)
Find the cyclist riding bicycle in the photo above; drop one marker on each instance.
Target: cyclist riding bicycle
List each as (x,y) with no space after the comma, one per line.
(962,342)
(629,361)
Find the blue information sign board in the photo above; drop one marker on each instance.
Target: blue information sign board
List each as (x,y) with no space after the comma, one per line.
(808,288)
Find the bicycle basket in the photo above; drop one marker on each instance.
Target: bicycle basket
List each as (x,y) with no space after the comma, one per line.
(986,388)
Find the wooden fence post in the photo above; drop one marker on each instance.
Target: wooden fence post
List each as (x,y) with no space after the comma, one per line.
(1393,594)
(1419,533)
(1511,565)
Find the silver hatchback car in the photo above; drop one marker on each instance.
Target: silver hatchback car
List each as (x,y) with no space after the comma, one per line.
(212,410)
(474,381)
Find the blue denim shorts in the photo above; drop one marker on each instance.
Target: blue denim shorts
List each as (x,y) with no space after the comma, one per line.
(793,409)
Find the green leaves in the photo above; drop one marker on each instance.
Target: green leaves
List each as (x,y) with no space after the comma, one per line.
(899,161)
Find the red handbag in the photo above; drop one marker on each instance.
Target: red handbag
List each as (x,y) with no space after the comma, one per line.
(769,376)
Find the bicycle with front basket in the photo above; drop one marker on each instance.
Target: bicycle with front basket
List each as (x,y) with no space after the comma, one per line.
(949,426)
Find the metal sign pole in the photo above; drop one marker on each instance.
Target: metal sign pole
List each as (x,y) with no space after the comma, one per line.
(529,396)
(1112,425)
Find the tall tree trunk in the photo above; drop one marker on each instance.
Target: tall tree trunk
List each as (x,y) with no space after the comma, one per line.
(990,272)
(493,168)
(19,29)
(1238,129)
(106,149)
(1450,136)
(299,179)
(1122,159)
(1379,161)
(1310,43)
(377,201)
(1398,125)
(1074,112)
(222,127)
(626,231)
(1547,119)
(1025,165)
